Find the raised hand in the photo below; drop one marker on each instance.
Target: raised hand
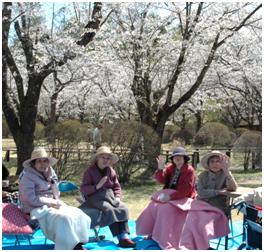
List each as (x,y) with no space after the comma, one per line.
(161,162)
(224,159)
(47,174)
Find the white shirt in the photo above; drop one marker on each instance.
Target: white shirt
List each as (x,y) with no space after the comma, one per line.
(97,136)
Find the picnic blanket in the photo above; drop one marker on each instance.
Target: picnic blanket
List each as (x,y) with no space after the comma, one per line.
(181,224)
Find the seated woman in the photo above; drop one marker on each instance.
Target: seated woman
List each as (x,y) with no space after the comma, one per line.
(216,177)
(67,226)
(179,177)
(103,193)
(174,219)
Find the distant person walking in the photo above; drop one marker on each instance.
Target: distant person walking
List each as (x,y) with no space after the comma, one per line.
(89,134)
(97,140)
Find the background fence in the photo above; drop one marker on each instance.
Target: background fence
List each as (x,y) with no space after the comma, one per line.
(195,155)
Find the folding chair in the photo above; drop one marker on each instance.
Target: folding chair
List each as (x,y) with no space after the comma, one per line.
(67,186)
(14,223)
(32,223)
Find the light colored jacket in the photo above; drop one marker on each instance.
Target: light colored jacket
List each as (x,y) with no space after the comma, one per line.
(53,175)
(97,136)
(208,182)
(34,191)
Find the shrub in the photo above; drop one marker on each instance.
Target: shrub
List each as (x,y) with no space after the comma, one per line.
(87,132)
(5,129)
(233,137)
(213,134)
(239,131)
(73,124)
(133,142)
(168,131)
(39,131)
(249,144)
(203,139)
(64,139)
(166,137)
(184,136)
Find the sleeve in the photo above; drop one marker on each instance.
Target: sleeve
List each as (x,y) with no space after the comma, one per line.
(116,186)
(186,186)
(88,185)
(163,176)
(54,175)
(95,135)
(231,184)
(202,191)
(29,196)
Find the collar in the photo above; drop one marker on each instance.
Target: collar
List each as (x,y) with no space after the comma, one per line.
(184,168)
(34,171)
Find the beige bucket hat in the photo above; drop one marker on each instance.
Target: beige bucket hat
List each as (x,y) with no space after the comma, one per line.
(39,152)
(104,150)
(204,160)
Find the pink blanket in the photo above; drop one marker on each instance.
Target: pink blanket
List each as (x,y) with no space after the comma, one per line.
(181,224)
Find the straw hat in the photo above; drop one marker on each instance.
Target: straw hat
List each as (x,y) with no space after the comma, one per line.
(204,160)
(179,151)
(39,152)
(104,150)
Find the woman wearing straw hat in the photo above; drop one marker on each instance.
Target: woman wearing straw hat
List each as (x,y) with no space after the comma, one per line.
(103,192)
(67,226)
(216,177)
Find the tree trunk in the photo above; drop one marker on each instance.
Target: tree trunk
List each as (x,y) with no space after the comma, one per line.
(198,121)
(21,112)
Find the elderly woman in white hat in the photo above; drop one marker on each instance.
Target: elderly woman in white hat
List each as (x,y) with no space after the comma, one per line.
(216,177)
(102,191)
(67,226)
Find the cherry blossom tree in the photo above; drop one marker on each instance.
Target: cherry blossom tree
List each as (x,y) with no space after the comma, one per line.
(237,78)
(170,55)
(133,60)
(21,111)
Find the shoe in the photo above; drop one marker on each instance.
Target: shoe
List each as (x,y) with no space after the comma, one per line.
(126,243)
(79,247)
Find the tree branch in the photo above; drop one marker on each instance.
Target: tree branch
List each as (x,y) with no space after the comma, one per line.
(88,36)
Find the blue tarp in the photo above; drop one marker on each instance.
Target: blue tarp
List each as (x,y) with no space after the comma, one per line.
(109,243)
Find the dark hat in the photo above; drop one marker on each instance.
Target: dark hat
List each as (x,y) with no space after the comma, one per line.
(179,151)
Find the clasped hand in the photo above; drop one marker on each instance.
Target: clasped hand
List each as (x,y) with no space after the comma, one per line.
(165,198)
(56,205)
